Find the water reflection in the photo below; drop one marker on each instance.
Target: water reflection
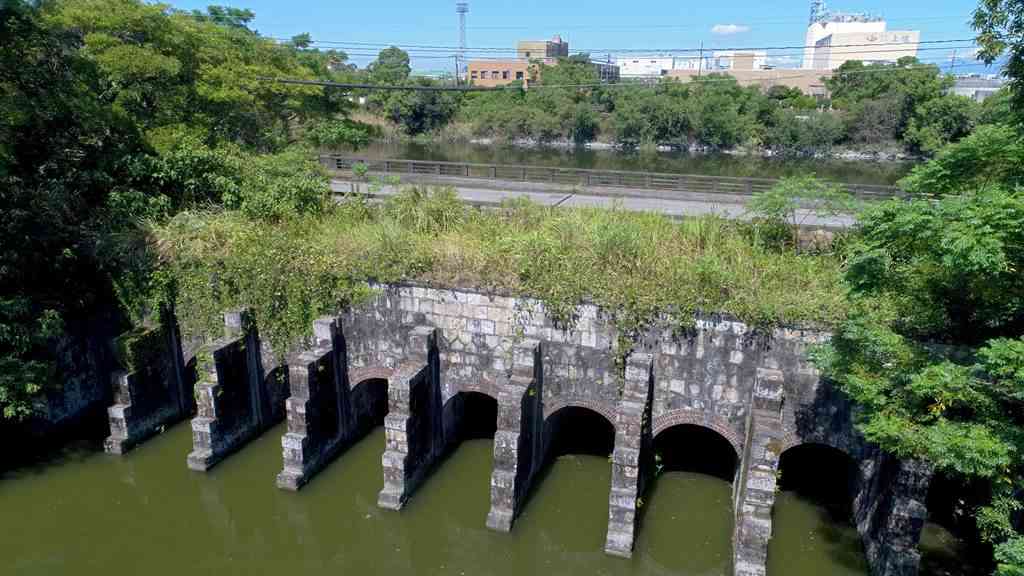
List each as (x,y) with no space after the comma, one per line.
(859,172)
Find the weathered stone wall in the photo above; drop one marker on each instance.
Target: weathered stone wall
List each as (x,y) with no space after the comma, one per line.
(705,375)
(156,392)
(237,397)
(755,388)
(84,360)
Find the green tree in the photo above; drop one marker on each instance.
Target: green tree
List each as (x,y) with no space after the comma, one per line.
(226,16)
(803,133)
(419,111)
(1000,27)
(390,67)
(795,199)
(904,86)
(874,121)
(165,69)
(932,350)
(990,156)
(62,149)
(940,121)
(118,111)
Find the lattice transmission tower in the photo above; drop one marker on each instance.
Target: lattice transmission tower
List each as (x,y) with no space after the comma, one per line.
(462,8)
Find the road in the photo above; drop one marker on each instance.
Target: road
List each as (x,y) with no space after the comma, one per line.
(686,205)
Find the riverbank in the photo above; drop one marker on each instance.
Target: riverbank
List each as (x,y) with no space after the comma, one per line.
(869,154)
(849,168)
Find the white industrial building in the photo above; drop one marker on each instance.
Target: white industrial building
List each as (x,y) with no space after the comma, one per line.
(657,66)
(645,66)
(834,38)
(740,60)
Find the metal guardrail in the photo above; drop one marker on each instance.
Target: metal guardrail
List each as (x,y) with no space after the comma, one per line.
(583,177)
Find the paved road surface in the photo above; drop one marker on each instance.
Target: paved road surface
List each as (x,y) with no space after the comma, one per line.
(728,207)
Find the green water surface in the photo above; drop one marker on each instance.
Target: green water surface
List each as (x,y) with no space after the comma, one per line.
(86,513)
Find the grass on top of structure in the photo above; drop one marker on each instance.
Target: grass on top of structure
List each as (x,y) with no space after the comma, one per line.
(634,265)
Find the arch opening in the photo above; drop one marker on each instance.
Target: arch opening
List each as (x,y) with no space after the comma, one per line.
(471,416)
(821,474)
(950,539)
(369,400)
(813,512)
(694,448)
(578,430)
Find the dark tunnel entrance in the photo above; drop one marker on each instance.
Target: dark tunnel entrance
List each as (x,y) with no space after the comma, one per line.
(823,475)
(369,400)
(472,416)
(577,430)
(692,448)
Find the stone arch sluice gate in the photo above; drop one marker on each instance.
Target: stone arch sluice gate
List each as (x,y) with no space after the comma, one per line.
(421,360)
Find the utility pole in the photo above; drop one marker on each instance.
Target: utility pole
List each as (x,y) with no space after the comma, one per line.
(700,60)
(461,8)
(952,63)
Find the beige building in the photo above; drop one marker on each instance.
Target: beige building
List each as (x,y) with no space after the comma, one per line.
(494,73)
(810,82)
(542,49)
(525,70)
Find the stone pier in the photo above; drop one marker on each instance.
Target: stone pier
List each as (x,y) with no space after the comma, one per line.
(319,420)
(236,397)
(890,512)
(518,441)
(756,484)
(154,391)
(413,426)
(632,428)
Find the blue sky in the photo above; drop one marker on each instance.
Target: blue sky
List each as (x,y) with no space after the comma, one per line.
(594,25)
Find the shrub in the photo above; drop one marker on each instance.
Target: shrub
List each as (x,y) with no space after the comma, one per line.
(990,156)
(637,266)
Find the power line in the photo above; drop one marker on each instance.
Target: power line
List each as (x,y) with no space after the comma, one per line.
(439,56)
(481,49)
(963,17)
(514,87)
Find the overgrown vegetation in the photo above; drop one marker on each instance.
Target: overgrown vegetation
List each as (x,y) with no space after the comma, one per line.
(932,351)
(635,265)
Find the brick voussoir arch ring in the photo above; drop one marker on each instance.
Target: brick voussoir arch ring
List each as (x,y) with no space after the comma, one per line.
(697,418)
(359,375)
(556,404)
(487,389)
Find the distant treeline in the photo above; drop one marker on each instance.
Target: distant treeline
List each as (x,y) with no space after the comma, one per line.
(906,106)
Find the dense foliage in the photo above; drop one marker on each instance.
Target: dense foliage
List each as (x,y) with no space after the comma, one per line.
(990,156)
(932,351)
(112,112)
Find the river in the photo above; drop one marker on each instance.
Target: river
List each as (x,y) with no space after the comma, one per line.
(84,512)
(853,172)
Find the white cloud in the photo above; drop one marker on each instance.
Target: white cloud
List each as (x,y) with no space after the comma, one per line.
(729,29)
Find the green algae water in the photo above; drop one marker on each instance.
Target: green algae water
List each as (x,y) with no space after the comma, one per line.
(87,513)
(806,537)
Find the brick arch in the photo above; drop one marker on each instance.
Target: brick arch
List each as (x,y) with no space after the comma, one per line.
(601,408)
(359,375)
(488,389)
(684,416)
